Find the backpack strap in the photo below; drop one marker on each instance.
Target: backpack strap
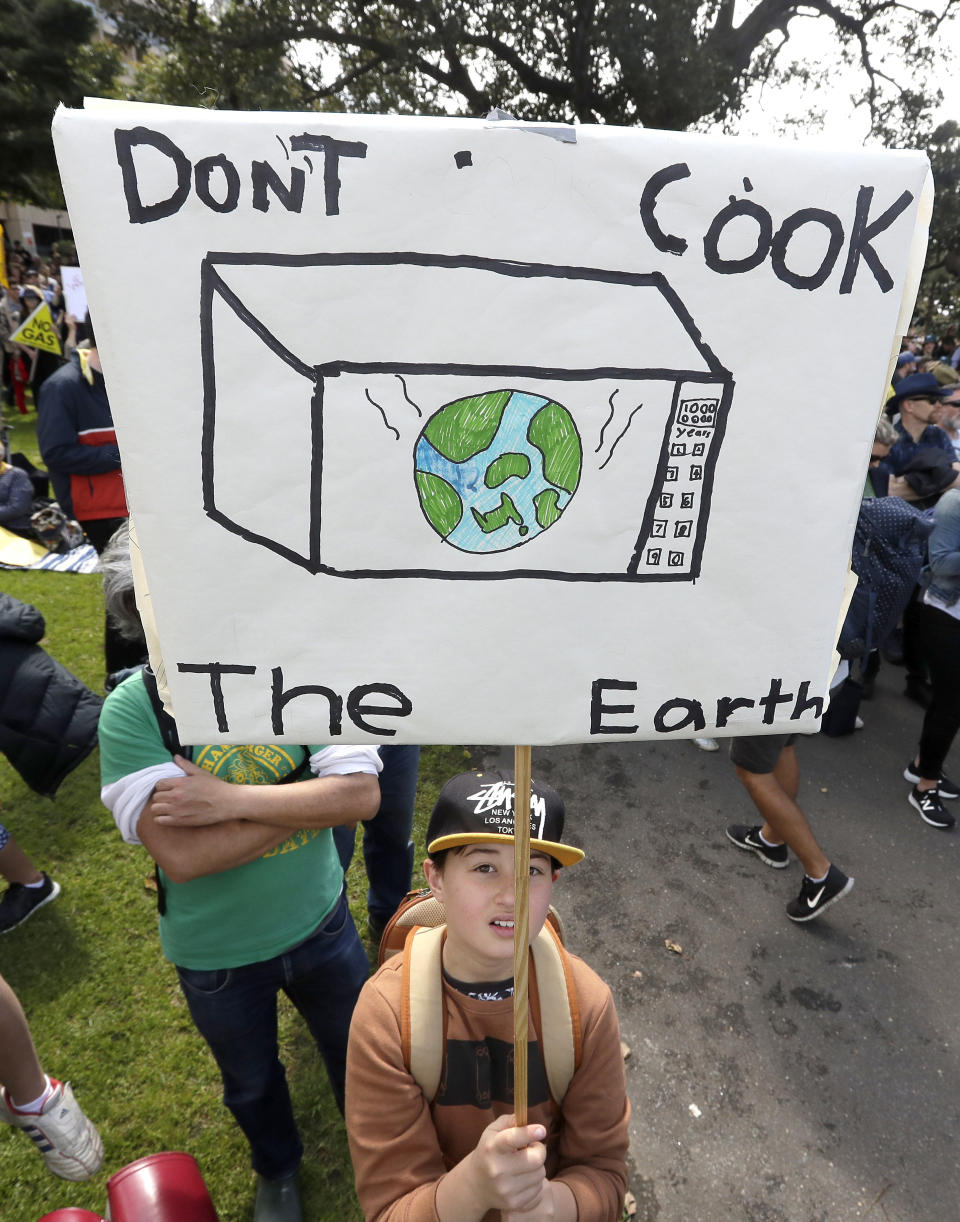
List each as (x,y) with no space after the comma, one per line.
(560,1030)
(301,768)
(422,1012)
(168,727)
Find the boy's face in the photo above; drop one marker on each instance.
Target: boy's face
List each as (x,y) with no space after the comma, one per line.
(476,887)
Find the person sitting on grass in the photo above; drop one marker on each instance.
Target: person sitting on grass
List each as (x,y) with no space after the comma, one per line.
(16,499)
(461,1157)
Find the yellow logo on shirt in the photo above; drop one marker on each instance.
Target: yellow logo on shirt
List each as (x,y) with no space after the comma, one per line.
(247,765)
(256,765)
(296,841)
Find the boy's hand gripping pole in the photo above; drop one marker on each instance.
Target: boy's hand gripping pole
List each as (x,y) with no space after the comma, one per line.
(521,927)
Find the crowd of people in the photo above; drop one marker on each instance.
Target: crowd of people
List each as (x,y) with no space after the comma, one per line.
(939,355)
(30,282)
(250,846)
(915,468)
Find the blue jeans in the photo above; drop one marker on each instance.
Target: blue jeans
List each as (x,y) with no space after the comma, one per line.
(387,847)
(235,1010)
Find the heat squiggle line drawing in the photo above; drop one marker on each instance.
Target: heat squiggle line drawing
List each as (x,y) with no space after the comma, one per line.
(620,436)
(379,407)
(606,422)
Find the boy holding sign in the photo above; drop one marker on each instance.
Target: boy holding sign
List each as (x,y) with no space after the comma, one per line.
(450,1151)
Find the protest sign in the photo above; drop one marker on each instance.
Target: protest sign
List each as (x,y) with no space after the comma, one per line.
(74,294)
(469,430)
(38,331)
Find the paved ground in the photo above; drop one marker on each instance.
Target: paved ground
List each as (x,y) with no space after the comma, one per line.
(779,1073)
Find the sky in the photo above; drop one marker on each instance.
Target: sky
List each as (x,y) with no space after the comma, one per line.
(768,108)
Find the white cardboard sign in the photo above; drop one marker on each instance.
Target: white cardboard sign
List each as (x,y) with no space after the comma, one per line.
(74,293)
(463,430)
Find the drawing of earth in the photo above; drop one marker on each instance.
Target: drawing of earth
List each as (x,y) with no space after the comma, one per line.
(495,470)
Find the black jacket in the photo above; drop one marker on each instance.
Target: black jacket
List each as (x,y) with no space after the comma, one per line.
(48,718)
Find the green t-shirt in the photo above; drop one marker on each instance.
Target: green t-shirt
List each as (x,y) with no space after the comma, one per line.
(252,912)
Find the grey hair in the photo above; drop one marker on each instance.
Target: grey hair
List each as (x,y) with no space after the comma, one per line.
(118,593)
(886,434)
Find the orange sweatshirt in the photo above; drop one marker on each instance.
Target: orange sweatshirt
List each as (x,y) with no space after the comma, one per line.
(402,1146)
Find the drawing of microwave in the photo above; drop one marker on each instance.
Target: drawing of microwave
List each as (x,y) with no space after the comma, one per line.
(458,417)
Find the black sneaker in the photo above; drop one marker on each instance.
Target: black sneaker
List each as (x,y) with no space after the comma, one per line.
(20,902)
(946,787)
(814,898)
(932,810)
(748,838)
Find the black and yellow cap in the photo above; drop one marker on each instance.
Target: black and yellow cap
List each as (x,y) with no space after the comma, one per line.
(477,808)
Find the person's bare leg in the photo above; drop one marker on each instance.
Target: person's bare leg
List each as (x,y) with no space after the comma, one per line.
(20,1070)
(773,793)
(787,772)
(16,866)
(69,1142)
(925,782)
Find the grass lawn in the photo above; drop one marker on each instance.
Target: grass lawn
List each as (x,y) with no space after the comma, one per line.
(104,1006)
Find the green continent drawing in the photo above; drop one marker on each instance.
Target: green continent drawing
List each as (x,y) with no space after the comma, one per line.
(510,457)
(555,435)
(464,428)
(547,510)
(505,512)
(440,502)
(503,467)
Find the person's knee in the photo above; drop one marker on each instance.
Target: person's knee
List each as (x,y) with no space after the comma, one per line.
(753,781)
(251,1076)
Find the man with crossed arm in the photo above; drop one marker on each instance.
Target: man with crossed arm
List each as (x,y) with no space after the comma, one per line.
(251,901)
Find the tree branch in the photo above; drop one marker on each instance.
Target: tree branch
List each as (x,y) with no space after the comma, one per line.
(579,30)
(347,78)
(460,79)
(528,76)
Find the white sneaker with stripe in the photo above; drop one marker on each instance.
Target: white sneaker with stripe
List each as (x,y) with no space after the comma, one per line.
(70,1145)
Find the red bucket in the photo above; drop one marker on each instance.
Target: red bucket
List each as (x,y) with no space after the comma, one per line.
(164,1187)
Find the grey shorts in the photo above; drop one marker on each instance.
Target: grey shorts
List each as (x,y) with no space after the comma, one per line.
(759,752)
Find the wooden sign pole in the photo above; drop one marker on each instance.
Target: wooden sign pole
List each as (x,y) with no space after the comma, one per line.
(521,927)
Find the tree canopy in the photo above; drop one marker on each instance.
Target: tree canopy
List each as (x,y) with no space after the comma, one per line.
(661,63)
(939,298)
(48,57)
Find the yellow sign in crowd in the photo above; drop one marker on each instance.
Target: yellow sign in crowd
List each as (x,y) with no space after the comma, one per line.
(38,331)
